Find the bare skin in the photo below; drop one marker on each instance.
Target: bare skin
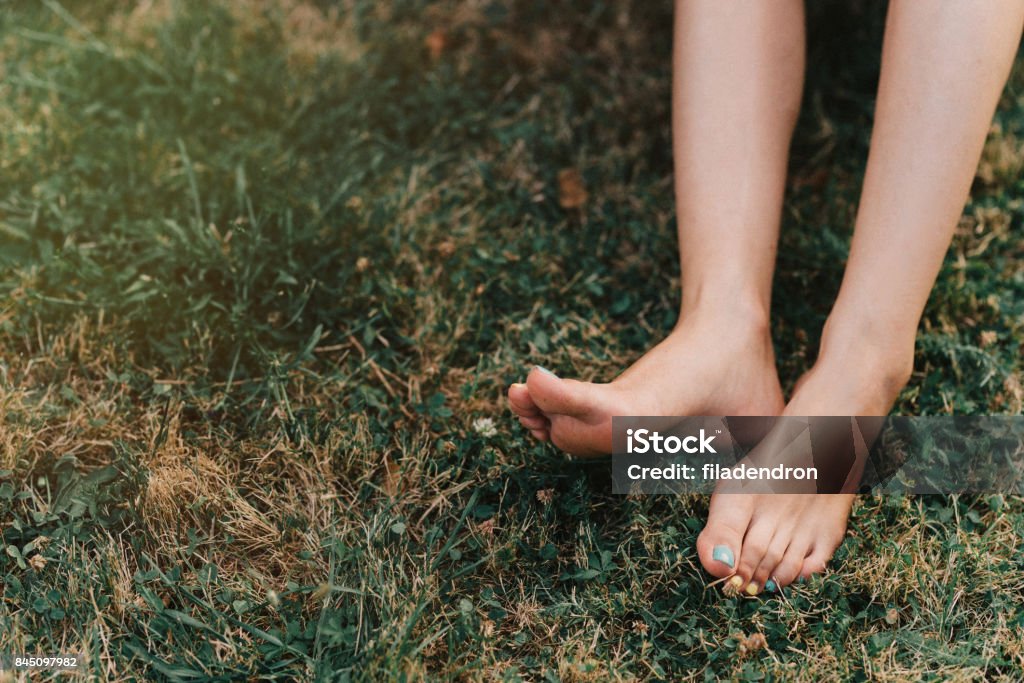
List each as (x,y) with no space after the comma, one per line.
(738,75)
(736,96)
(702,368)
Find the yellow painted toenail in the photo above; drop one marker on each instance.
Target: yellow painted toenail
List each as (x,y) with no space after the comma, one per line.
(736,582)
(752,589)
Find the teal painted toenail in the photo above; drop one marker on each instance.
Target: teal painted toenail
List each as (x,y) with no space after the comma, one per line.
(543,369)
(769,585)
(723,554)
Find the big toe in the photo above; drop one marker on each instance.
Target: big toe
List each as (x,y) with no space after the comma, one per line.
(580,413)
(719,545)
(521,402)
(554,395)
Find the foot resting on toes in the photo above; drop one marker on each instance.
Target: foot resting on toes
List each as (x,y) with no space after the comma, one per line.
(704,367)
(758,541)
(766,541)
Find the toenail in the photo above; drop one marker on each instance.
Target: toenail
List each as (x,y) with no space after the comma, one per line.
(543,369)
(752,589)
(723,554)
(736,582)
(770,585)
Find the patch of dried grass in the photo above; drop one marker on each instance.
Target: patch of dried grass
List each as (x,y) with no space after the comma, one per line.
(309,32)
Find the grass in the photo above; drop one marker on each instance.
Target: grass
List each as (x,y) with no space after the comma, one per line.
(266,269)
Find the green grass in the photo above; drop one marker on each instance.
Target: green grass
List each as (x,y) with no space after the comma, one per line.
(266,269)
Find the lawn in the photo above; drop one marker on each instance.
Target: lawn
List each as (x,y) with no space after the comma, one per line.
(266,270)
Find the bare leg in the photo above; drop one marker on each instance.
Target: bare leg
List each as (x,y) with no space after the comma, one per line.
(738,75)
(943,67)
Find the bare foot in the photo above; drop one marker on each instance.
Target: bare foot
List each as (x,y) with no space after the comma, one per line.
(766,541)
(704,367)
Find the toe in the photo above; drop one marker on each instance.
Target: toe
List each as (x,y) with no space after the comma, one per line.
(827,534)
(521,402)
(541,434)
(765,571)
(718,546)
(755,547)
(562,396)
(815,562)
(788,569)
(538,422)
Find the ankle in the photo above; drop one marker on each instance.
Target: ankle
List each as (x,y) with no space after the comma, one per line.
(878,354)
(745,318)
